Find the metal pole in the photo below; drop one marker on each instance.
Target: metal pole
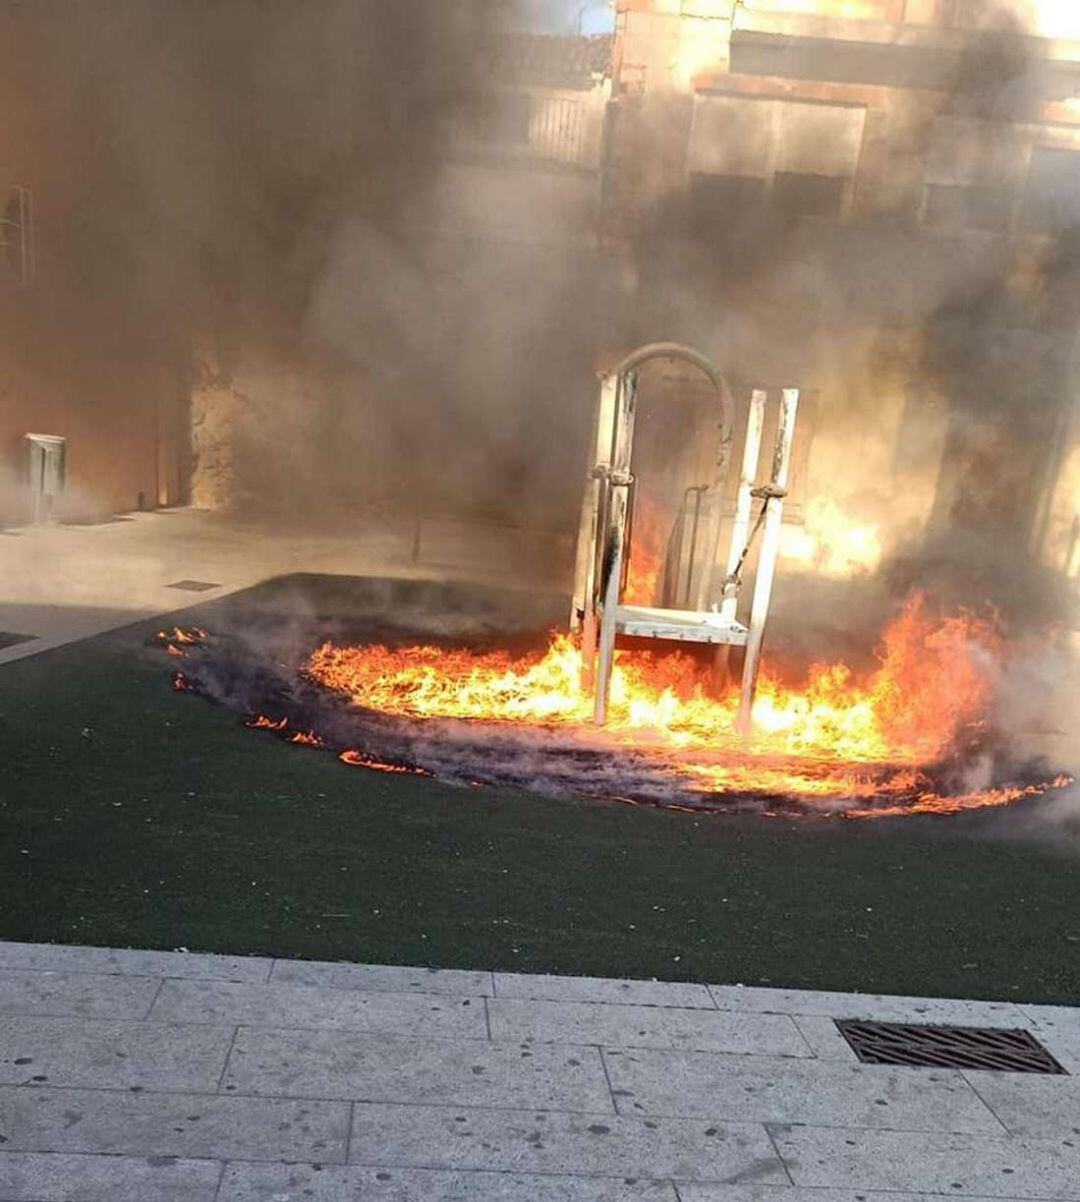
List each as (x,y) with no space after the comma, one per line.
(740,529)
(614,539)
(599,461)
(613,569)
(770,549)
(697,490)
(589,635)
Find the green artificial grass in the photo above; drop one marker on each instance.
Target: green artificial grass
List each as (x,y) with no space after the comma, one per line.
(132,815)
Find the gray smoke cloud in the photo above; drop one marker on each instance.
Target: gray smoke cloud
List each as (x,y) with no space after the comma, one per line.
(259,205)
(253,202)
(976,330)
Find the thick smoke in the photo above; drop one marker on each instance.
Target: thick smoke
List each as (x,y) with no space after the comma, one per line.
(936,354)
(255,203)
(258,205)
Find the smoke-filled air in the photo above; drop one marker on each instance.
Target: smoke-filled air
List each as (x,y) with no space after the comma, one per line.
(325,267)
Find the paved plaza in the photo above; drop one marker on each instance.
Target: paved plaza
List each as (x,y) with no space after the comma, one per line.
(142,1076)
(61,583)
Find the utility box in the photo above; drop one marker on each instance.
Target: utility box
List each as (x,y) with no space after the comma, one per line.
(46,469)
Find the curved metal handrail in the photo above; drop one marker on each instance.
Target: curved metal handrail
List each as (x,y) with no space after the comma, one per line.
(678,350)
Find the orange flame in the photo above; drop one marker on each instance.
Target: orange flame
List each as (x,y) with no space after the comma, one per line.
(648,542)
(933,681)
(832,542)
(835,739)
(933,803)
(182,637)
(262,722)
(359,759)
(306,738)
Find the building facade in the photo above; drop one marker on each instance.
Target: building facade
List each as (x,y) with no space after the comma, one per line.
(876,201)
(81,356)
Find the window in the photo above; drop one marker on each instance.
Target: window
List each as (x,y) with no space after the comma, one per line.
(557,129)
(798,194)
(715,197)
(974,173)
(956,207)
(17,234)
(545,126)
(794,157)
(1052,197)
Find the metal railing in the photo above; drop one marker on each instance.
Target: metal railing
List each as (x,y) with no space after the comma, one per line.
(557,129)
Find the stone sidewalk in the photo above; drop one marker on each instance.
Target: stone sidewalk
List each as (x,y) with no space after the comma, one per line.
(137,1076)
(63,583)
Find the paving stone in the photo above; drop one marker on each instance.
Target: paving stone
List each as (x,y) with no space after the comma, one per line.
(225,1002)
(383,978)
(1030,1104)
(757,1089)
(1064,1046)
(824,1038)
(595,989)
(304,1183)
(645,1027)
(75,995)
(449,542)
(29,1177)
(538,1141)
(878,1007)
(187,1125)
(924,1162)
(1057,1028)
(695,1191)
(1052,1016)
(37,957)
(110,1055)
(325,1064)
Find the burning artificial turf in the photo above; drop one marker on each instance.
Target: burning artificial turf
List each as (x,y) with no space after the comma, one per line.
(912,736)
(133,815)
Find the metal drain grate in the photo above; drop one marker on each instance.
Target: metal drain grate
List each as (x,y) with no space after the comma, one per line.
(8,638)
(193,586)
(1009,1051)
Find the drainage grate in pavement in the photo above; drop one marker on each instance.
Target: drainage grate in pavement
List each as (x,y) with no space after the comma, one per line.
(8,638)
(1009,1051)
(193,586)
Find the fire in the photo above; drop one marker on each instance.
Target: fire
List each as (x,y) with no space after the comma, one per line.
(648,545)
(185,638)
(359,759)
(835,739)
(177,639)
(262,722)
(933,803)
(831,542)
(933,681)
(306,738)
